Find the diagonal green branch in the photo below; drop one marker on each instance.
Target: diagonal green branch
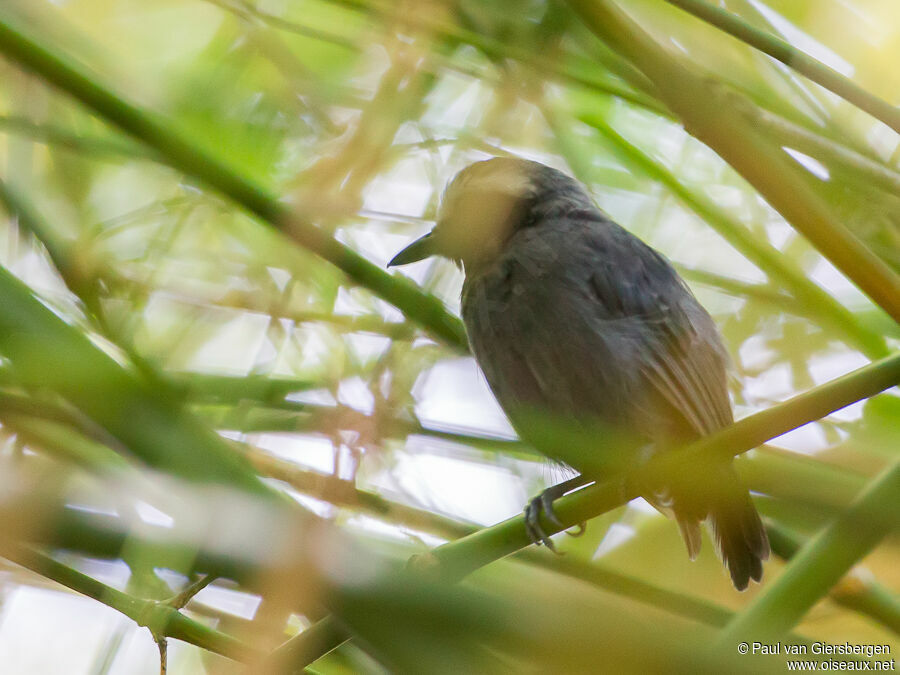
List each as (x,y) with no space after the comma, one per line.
(160,618)
(459,558)
(295,654)
(59,136)
(766,257)
(482,547)
(773,472)
(820,563)
(859,592)
(47,353)
(715,115)
(795,136)
(792,57)
(179,152)
(29,221)
(865,597)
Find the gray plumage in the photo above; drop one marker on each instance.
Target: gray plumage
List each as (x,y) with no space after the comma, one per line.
(572,317)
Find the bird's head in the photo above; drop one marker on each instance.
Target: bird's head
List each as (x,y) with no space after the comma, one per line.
(481,208)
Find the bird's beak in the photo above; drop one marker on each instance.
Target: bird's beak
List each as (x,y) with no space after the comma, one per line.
(419,249)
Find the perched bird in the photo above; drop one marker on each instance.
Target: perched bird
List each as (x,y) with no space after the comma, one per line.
(576,321)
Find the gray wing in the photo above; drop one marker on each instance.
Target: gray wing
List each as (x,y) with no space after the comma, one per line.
(586,324)
(681,354)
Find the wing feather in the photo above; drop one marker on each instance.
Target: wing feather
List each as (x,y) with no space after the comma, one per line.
(681,354)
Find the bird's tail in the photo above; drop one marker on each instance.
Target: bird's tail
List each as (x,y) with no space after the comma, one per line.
(738,531)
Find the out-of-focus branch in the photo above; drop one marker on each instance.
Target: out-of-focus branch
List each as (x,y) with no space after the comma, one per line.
(178,151)
(713,115)
(248,12)
(17,206)
(160,618)
(344,493)
(765,256)
(259,302)
(821,563)
(576,70)
(459,558)
(48,353)
(310,645)
(792,57)
(58,136)
(799,138)
(857,590)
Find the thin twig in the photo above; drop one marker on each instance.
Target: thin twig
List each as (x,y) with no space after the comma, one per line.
(765,256)
(160,618)
(179,152)
(712,114)
(65,138)
(792,57)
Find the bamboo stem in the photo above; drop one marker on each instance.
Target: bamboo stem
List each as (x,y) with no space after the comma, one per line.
(178,151)
(766,257)
(459,558)
(160,618)
(819,565)
(792,57)
(713,115)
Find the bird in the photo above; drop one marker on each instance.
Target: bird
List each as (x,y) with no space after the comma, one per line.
(593,345)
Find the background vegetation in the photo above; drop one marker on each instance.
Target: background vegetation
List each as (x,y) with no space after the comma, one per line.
(212,393)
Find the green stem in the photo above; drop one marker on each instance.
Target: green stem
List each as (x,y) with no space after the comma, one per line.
(65,443)
(797,137)
(257,419)
(179,152)
(790,56)
(856,590)
(50,134)
(344,493)
(48,353)
(741,289)
(765,256)
(866,597)
(820,563)
(793,130)
(249,12)
(303,649)
(161,619)
(459,558)
(31,222)
(256,302)
(237,389)
(795,477)
(713,114)
(800,479)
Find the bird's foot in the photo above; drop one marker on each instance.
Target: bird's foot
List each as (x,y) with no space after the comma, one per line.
(581,529)
(543,503)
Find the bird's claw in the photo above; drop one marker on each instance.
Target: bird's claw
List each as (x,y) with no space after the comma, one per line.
(543,503)
(534,508)
(581,529)
(533,526)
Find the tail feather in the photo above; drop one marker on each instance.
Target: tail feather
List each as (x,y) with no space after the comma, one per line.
(739,533)
(690,532)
